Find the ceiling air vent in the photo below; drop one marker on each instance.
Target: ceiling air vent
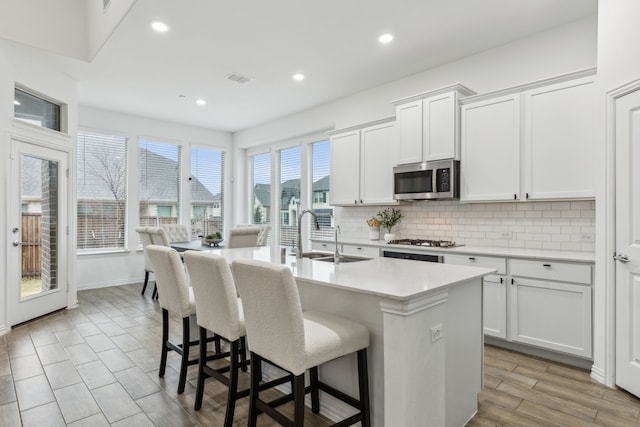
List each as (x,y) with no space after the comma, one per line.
(239,78)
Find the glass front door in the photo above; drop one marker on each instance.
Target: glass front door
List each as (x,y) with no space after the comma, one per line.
(37,268)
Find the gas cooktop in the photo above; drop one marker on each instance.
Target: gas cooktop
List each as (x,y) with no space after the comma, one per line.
(425,242)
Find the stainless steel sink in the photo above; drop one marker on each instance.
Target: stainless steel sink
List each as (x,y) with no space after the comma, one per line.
(328,257)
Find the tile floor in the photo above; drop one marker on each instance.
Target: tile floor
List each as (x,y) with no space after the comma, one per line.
(97,365)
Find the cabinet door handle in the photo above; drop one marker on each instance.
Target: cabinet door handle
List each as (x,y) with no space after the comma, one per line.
(515,196)
(513,282)
(527,195)
(546,265)
(501,280)
(472,258)
(360,201)
(355,202)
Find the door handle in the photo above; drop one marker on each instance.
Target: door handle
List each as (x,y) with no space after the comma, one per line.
(17,243)
(623,258)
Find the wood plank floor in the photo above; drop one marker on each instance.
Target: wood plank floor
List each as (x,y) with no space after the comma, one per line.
(97,366)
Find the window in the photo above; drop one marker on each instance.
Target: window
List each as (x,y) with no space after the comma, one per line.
(261,185)
(101,190)
(159,183)
(320,162)
(290,171)
(36,110)
(207,191)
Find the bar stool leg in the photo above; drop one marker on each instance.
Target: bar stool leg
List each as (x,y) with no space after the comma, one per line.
(256,376)
(363,379)
(298,401)
(165,338)
(201,375)
(315,393)
(233,384)
(184,362)
(146,280)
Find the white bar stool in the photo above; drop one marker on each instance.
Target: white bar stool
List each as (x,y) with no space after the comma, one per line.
(280,332)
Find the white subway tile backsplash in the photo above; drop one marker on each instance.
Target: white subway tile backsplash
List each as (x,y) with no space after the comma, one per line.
(568,226)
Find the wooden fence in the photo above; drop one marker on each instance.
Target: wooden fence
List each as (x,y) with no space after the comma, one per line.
(31,245)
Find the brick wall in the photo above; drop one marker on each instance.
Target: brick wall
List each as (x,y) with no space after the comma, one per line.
(49,226)
(562,225)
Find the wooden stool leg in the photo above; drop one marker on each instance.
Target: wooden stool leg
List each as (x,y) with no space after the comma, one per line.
(256,376)
(165,338)
(184,363)
(315,393)
(201,362)
(363,379)
(298,401)
(146,280)
(233,383)
(243,353)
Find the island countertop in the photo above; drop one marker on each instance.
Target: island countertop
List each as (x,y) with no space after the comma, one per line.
(384,277)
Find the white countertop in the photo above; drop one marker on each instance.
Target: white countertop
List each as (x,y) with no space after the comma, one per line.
(384,277)
(572,256)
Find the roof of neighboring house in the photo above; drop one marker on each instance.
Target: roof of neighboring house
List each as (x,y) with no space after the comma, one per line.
(289,189)
(321,185)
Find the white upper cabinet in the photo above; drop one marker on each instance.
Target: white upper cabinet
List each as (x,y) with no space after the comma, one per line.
(409,117)
(427,125)
(560,141)
(533,142)
(490,164)
(362,160)
(345,168)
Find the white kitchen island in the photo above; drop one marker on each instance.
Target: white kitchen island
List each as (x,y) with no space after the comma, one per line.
(425,356)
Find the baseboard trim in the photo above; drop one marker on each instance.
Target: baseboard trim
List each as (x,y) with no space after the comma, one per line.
(539,352)
(597,374)
(4,330)
(98,285)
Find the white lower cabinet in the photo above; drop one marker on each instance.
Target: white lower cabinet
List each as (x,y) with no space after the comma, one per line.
(542,303)
(494,303)
(551,307)
(323,246)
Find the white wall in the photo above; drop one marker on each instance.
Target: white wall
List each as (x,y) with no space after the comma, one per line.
(101,23)
(95,270)
(20,66)
(618,64)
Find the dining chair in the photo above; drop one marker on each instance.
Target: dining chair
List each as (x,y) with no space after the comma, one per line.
(280,332)
(145,240)
(243,237)
(177,232)
(158,237)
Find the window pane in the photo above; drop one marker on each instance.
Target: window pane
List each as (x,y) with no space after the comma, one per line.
(207,191)
(101,192)
(320,162)
(290,172)
(261,184)
(35,110)
(159,183)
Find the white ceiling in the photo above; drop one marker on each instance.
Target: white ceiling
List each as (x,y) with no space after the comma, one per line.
(333,42)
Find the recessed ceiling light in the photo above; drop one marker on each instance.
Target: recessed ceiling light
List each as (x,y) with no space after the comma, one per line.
(159,26)
(16,102)
(201,101)
(298,77)
(385,38)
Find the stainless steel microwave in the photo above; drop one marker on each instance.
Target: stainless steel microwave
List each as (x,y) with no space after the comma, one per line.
(427,180)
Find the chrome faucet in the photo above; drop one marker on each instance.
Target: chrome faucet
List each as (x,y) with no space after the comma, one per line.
(336,252)
(315,217)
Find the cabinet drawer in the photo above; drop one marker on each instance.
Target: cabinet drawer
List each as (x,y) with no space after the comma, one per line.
(361,250)
(551,270)
(323,246)
(478,261)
